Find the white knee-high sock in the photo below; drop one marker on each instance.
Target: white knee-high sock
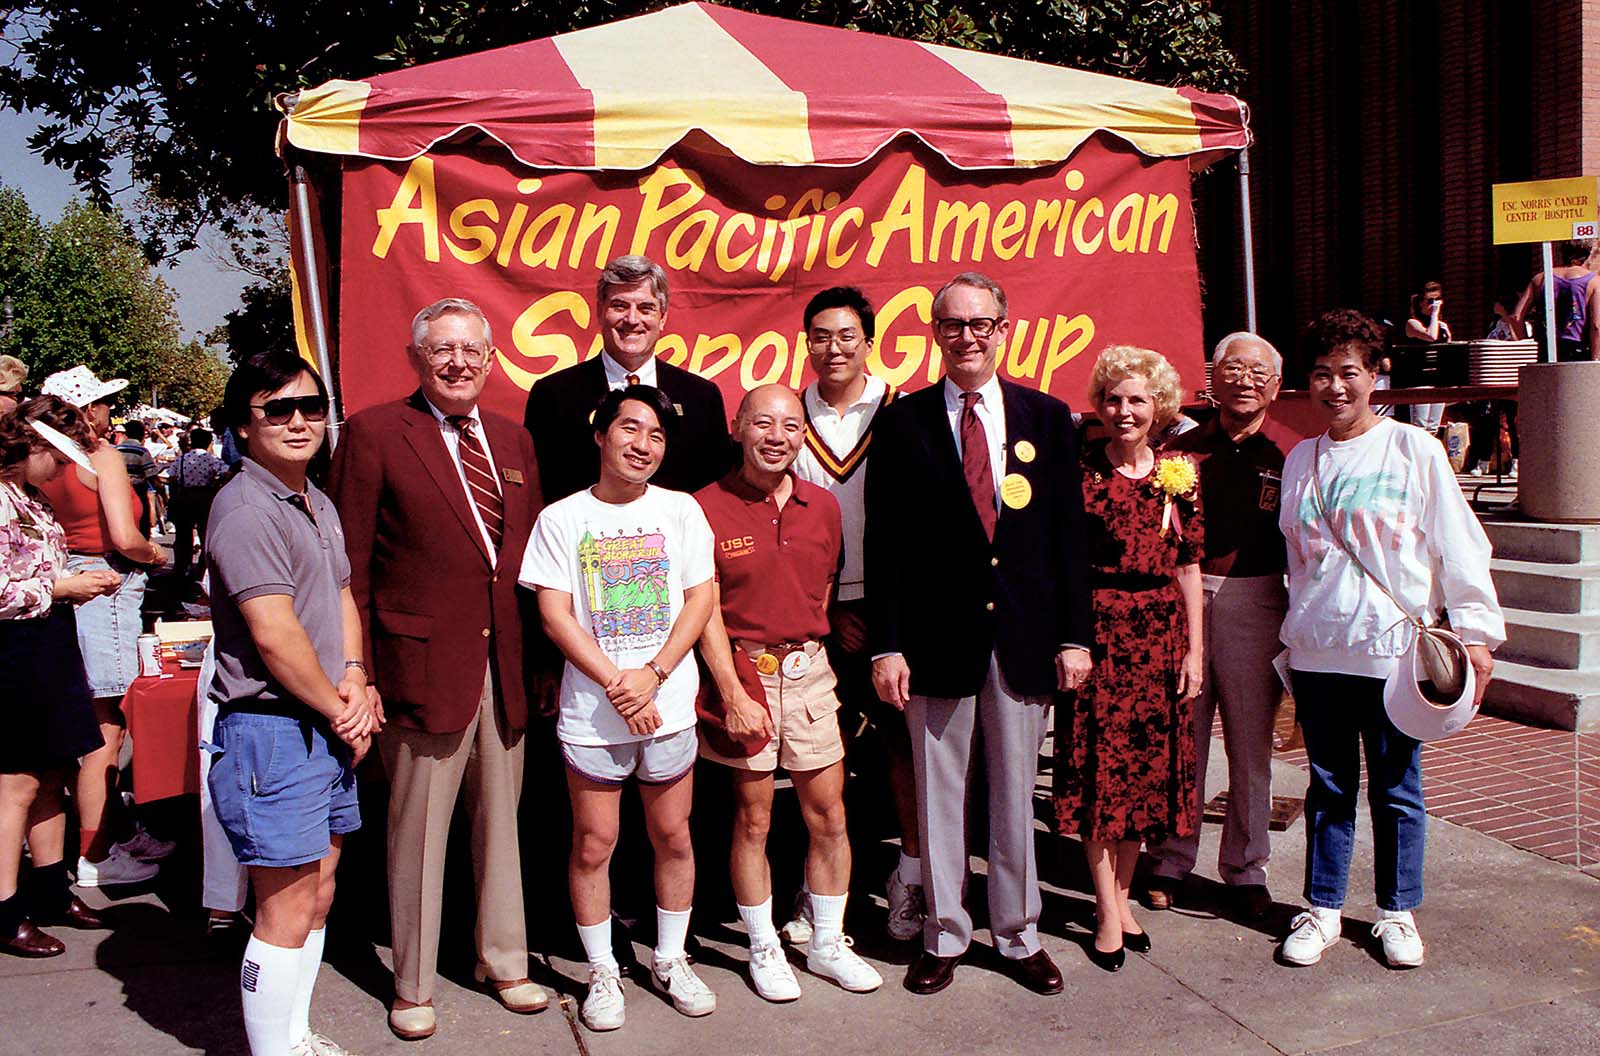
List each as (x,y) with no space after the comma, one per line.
(268,979)
(310,965)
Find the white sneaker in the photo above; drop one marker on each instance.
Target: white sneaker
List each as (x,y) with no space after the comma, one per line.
(906,910)
(1478,469)
(1310,934)
(145,847)
(798,931)
(314,1044)
(834,959)
(603,1008)
(120,867)
(770,971)
(1402,946)
(1513,470)
(677,980)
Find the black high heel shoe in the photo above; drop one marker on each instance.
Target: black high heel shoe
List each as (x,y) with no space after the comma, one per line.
(1110,962)
(1139,943)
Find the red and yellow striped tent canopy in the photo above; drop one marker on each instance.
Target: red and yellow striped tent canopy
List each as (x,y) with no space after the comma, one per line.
(769,90)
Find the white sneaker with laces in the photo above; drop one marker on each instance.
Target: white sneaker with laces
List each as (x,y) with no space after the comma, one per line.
(834,959)
(798,931)
(314,1044)
(120,867)
(147,848)
(603,1007)
(1402,945)
(771,974)
(690,996)
(1311,933)
(906,910)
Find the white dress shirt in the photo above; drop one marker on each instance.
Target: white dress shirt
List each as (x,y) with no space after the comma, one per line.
(617,377)
(991,411)
(452,443)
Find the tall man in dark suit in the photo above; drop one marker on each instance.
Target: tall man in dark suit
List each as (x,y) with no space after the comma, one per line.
(438,499)
(977,609)
(631,307)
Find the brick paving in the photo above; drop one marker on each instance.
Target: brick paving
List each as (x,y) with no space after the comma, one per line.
(1535,789)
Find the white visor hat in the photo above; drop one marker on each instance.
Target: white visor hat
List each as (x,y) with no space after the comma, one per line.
(63,443)
(1418,706)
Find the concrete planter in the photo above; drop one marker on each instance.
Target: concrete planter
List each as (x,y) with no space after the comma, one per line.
(1559,468)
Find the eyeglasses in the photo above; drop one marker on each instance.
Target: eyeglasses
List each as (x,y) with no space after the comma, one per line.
(1235,374)
(472,355)
(844,340)
(280,411)
(950,329)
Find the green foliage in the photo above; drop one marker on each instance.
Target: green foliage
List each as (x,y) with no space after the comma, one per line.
(189,379)
(181,91)
(264,319)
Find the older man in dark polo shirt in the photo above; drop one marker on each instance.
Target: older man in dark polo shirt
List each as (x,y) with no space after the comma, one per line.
(1240,453)
(778,552)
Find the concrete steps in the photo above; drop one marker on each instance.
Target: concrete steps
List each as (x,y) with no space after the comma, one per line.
(1548,579)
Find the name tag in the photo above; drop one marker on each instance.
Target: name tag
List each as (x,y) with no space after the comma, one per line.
(1271,485)
(513,476)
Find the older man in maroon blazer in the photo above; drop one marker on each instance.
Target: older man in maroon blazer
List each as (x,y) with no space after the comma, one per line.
(438,499)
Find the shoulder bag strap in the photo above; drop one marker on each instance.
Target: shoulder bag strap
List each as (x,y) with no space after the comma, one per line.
(1322,511)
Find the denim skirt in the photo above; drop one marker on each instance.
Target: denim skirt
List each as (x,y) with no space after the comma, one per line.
(109,628)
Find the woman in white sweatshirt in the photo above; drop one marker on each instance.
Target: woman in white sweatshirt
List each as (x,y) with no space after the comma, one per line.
(1389,493)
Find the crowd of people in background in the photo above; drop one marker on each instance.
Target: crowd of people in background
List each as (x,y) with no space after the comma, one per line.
(946,566)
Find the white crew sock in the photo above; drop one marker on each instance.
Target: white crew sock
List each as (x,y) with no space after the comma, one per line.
(805,898)
(596,940)
(827,917)
(268,979)
(758,924)
(310,965)
(910,870)
(672,930)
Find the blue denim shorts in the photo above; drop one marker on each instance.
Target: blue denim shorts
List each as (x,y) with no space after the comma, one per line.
(279,790)
(108,629)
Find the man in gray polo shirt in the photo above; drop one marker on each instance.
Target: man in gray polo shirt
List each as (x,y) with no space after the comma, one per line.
(294,712)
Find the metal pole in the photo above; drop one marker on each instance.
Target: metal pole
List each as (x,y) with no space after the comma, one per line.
(1549,306)
(1249,241)
(313,286)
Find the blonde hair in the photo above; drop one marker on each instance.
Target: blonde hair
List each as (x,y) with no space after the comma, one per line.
(1120,362)
(12,371)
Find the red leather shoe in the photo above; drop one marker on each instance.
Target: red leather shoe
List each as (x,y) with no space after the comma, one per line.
(29,941)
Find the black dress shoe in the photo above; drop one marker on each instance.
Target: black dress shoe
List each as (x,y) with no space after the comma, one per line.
(1111,962)
(1038,973)
(1139,943)
(1254,900)
(29,941)
(930,973)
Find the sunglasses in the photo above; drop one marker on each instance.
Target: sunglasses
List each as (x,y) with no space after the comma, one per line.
(281,411)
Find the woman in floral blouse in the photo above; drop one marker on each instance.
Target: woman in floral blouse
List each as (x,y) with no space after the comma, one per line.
(44,698)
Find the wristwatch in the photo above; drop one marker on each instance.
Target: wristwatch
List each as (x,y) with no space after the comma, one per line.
(348,664)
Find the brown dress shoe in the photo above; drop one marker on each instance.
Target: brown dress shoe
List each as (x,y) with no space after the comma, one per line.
(1255,901)
(1158,893)
(29,941)
(930,973)
(1038,973)
(78,915)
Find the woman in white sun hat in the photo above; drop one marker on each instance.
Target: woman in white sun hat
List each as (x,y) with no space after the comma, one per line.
(100,514)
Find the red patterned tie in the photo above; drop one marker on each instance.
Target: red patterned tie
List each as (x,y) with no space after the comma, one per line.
(975,461)
(481,485)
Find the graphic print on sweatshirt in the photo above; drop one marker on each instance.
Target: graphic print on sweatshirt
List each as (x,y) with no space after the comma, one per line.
(1369,512)
(625,582)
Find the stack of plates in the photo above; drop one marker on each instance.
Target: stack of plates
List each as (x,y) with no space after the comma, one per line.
(1496,362)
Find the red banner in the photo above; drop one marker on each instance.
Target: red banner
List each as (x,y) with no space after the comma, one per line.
(1098,250)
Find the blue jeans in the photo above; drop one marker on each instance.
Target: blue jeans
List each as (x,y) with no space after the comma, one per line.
(1339,715)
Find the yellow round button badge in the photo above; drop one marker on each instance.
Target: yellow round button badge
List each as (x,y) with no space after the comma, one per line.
(1015,491)
(767,664)
(1023,450)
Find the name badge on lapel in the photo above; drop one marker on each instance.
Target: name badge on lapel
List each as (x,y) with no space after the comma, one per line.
(513,476)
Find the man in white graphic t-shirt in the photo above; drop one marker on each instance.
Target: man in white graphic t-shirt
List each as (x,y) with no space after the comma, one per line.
(623,573)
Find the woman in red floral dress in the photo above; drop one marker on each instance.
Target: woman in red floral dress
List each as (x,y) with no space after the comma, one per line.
(1125,751)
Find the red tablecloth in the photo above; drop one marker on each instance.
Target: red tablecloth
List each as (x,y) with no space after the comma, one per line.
(161,721)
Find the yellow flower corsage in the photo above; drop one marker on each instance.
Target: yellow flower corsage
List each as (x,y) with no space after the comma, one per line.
(1175,477)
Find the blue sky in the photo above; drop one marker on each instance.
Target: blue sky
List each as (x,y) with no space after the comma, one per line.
(206,290)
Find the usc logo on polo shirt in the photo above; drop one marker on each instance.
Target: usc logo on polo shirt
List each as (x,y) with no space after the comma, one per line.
(738,546)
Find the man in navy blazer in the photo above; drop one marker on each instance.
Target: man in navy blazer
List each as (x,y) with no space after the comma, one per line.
(978,608)
(631,306)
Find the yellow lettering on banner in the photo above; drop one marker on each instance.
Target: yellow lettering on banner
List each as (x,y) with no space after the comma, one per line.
(1061,352)
(416,186)
(1164,209)
(769,237)
(605,218)
(780,359)
(1045,215)
(851,217)
(904,214)
(1007,226)
(672,348)
(519,216)
(654,213)
(677,256)
(1073,181)
(911,350)
(560,215)
(1097,208)
(736,222)
(1016,365)
(966,217)
(786,248)
(705,346)
(1124,224)
(482,234)
(558,348)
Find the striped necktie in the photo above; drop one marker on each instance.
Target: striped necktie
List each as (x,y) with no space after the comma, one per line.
(481,485)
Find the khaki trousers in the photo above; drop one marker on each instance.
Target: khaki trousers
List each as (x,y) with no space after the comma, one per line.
(427,771)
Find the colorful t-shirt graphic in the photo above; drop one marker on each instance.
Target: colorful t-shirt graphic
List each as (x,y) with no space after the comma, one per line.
(627,568)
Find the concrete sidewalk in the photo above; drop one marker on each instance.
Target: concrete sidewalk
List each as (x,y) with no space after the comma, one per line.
(1513,967)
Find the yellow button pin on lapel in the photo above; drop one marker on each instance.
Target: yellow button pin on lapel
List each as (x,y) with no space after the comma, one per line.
(1023,450)
(767,664)
(1015,491)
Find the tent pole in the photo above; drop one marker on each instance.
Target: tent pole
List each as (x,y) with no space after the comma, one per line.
(299,179)
(1249,241)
